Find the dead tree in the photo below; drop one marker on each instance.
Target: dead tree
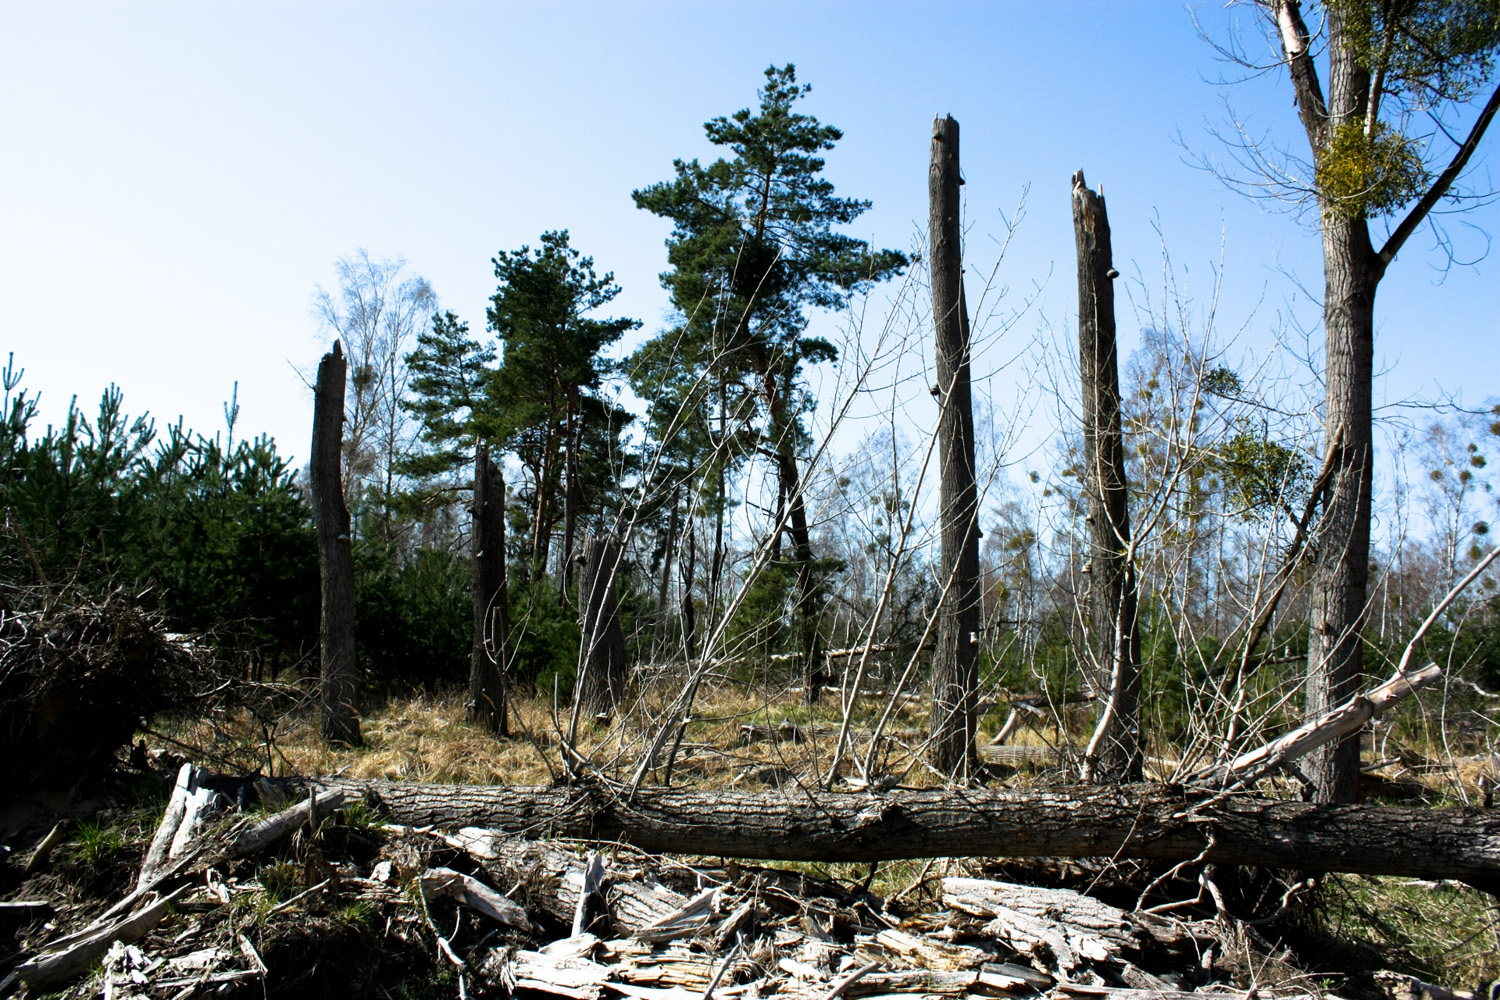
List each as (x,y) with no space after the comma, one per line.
(1152,822)
(335,552)
(601,664)
(1114,644)
(487,699)
(954,675)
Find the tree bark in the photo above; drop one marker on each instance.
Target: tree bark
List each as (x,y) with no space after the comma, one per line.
(1335,655)
(602,673)
(1114,644)
(669,549)
(809,596)
(487,659)
(335,553)
(954,669)
(1150,822)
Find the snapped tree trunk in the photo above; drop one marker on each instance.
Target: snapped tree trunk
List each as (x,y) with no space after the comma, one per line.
(1150,822)
(1114,644)
(487,695)
(602,673)
(954,675)
(335,552)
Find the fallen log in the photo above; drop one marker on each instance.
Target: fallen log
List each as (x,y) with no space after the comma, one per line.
(1152,822)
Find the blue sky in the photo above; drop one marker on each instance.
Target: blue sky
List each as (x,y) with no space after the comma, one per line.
(178,177)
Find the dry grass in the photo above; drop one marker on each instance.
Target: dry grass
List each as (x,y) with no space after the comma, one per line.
(1444,933)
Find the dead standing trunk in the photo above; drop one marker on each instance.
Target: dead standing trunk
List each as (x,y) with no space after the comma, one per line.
(487,695)
(1114,644)
(602,672)
(335,552)
(954,673)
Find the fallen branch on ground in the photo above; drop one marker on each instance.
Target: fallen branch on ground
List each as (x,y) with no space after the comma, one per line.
(1132,821)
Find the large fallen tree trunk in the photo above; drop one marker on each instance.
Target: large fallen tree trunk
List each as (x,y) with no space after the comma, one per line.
(1127,821)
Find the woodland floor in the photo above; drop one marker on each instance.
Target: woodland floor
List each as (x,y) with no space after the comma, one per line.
(374,935)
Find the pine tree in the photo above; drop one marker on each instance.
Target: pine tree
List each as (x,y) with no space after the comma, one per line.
(544,398)
(752,248)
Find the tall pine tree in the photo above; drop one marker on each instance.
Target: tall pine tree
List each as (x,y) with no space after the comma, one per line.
(752,248)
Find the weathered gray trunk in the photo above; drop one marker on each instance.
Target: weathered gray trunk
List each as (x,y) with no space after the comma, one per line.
(955,680)
(1125,821)
(1113,648)
(487,660)
(602,673)
(335,552)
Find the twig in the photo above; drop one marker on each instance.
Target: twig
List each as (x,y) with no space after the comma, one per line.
(851,979)
(734,953)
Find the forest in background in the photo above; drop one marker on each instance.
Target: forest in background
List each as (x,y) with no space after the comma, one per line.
(755,513)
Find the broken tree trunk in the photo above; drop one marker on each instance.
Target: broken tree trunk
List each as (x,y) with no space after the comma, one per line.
(1114,643)
(487,659)
(602,672)
(955,680)
(335,552)
(1128,821)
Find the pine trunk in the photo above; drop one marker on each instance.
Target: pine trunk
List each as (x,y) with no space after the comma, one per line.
(1125,821)
(602,673)
(487,694)
(669,549)
(954,673)
(1341,541)
(1109,603)
(335,553)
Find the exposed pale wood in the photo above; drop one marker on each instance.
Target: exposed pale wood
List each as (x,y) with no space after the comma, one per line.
(1060,927)
(1339,722)
(46,846)
(1132,821)
(554,878)
(466,890)
(592,906)
(59,966)
(161,842)
(685,921)
(265,833)
(196,801)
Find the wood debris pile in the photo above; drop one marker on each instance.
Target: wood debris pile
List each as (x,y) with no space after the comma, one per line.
(226,904)
(78,676)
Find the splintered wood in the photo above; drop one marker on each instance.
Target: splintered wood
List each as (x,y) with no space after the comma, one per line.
(510,916)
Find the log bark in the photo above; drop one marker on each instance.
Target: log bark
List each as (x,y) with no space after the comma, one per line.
(1151,822)
(955,678)
(335,552)
(1114,644)
(602,672)
(487,704)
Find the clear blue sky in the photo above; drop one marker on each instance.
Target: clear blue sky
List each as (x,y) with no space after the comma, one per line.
(178,177)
